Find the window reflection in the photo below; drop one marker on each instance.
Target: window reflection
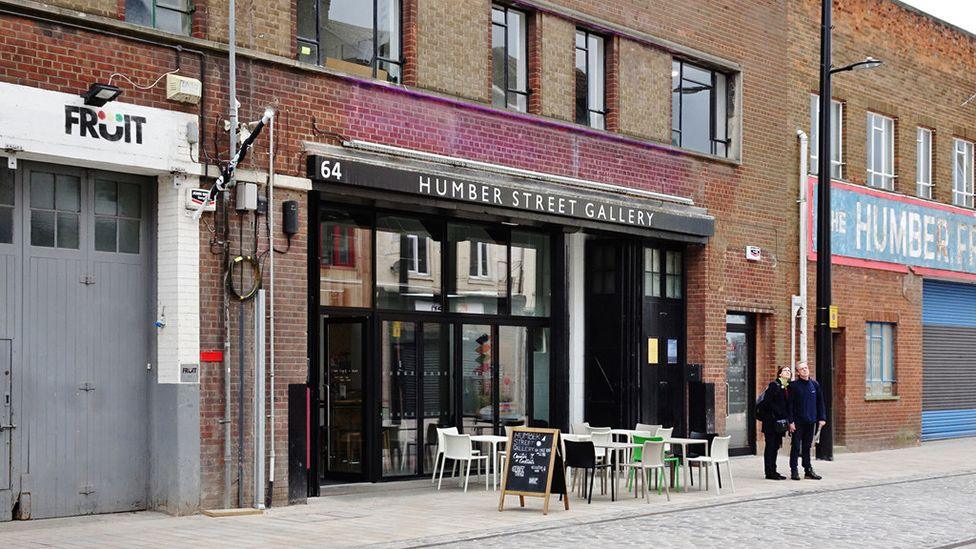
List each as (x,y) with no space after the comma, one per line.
(540,376)
(408,264)
(530,273)
(345,252)
(399,398)
(476,378)
(480,283)
(438,385)
(512,374)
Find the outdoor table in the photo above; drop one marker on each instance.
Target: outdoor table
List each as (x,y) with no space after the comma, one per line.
(494,440)
(615,447)
(684,443)
(629,433)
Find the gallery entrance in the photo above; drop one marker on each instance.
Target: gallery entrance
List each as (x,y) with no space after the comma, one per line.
(635,326)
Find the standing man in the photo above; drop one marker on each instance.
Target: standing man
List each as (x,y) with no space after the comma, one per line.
(806,412)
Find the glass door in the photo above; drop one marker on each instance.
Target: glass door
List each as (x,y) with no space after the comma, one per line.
(342,399)
(740,353)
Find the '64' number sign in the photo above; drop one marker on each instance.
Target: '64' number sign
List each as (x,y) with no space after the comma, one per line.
(330,169)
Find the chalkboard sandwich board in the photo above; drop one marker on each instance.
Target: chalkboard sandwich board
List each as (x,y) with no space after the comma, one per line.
(533,467)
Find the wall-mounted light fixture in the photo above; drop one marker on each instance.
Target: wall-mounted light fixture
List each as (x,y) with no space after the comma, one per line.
(99,94)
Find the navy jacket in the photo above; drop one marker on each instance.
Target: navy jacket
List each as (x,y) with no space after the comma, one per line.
(806,403)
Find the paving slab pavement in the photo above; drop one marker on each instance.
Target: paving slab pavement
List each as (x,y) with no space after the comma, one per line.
(413,513)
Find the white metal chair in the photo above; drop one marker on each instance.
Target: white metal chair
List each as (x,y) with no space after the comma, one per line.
(458,448)
(580,428)
(652,462)
(718,454)
(665,433)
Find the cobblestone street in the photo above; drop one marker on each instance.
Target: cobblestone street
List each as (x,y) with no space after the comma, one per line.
(927,513)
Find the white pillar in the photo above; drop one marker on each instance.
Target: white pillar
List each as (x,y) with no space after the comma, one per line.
(177,284)
(577,326)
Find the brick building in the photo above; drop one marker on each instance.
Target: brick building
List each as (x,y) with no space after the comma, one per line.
(534,212)
(901,287)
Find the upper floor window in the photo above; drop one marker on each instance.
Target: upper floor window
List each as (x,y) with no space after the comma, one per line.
(881,152)
(923,158)
(356,36)
(962,173)
(168,15)
(590,91)
(699,109)
(509,55)
(836,137)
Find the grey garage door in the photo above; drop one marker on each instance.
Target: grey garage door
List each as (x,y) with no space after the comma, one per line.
(80,242)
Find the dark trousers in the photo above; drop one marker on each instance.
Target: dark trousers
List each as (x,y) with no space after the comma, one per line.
(774,442)
(802,441)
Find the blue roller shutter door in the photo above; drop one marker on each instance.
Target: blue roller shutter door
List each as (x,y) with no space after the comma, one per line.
(949,360)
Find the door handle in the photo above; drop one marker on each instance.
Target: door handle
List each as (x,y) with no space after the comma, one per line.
(10,427)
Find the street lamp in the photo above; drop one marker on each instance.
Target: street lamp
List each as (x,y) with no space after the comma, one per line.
(824,351)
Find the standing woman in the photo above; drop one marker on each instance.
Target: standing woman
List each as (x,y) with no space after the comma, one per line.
(775,420)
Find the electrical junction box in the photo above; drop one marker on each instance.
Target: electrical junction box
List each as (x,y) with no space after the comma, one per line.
(183,89)
(247,196)
(753,253)
(195,197)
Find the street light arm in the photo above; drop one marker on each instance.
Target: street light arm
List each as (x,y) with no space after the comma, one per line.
(868,63)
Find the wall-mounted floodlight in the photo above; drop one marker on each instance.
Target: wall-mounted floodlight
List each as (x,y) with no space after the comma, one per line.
(99,94)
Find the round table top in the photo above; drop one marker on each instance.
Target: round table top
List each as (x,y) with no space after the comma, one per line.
(488,438)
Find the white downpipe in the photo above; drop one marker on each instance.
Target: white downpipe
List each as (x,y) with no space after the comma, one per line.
(804,230)
(271,304)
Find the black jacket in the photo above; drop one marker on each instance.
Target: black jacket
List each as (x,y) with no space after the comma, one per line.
(775,406)
(806,402)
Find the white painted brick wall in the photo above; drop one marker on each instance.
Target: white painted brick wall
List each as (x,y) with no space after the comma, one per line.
(178,281)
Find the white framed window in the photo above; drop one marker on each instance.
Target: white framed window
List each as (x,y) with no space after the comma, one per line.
(881,152)
(923,162)
(417,263)
(962,173)
(879,376)
(836,140)
(479,260)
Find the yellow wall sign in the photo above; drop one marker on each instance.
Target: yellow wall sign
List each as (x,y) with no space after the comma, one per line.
(652,350)
(833,316)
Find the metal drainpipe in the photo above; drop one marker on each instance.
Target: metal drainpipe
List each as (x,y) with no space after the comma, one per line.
(804,230)
(232,86)
(271,252)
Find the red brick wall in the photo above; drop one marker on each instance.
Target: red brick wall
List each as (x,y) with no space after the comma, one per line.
(750,200)
(927,75)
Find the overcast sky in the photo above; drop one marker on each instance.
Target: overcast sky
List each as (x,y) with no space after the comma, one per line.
(958,12)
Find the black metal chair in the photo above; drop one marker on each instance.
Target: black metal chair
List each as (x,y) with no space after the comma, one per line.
(582,455)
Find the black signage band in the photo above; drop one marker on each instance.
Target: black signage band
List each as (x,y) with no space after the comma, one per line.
(516,197)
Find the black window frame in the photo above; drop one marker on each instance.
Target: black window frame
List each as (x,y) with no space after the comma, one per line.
(155,5)
(677,117)
(586,95)
(507,87)
(376,60)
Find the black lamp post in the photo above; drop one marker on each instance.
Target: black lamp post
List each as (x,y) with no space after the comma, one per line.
(824,351)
